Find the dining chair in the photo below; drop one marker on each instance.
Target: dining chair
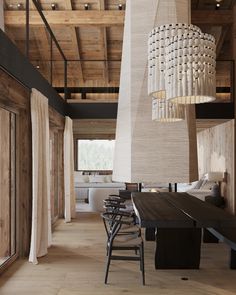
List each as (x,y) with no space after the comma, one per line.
(122,241)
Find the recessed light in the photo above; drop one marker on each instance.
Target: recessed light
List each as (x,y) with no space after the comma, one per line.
(53,6)
(37,67)
(19,5)
(86,6)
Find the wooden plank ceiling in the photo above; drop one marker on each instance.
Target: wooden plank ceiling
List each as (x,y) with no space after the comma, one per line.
(92,42)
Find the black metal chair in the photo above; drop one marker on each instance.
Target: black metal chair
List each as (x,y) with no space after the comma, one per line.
(117,239)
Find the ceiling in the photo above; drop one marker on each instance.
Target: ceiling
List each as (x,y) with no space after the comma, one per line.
(92,40)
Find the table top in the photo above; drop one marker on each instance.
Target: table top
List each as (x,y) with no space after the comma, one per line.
(178,210)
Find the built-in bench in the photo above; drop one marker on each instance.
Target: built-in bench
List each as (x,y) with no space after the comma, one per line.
(228,236)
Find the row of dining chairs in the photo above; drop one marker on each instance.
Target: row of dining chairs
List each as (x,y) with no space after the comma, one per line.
(123,233)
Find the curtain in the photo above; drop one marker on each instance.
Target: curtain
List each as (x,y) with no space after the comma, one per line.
(69,171)
(41,235)
(2,16)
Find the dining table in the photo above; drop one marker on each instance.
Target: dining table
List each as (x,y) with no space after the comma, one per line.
(178,220)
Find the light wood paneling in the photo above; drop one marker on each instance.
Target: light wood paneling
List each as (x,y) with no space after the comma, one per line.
(203,124)
(216,153)
(94,129)
(67,17)
(57,123)
(15,98)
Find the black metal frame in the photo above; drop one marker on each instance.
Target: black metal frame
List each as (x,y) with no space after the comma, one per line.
(109,110)
(52,39)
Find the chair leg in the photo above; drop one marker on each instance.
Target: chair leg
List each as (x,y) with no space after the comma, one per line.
(142,263)
(108,264)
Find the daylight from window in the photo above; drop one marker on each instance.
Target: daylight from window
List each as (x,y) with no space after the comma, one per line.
(95,154)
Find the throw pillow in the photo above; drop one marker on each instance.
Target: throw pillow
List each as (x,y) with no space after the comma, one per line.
(198,184)
(215,191)
(207,185)
(96,178)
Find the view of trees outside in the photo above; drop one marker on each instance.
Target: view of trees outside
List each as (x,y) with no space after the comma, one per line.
(95,154)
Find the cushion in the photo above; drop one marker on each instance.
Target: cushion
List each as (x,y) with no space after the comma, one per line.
(215,191)
(108,178)
(198,184)
(81,178)
(207,185)
(96,178)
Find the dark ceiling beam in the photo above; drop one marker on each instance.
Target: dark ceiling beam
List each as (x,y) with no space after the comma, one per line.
(215,111)
(212,17)
(85,90)
(92,110)
(88,89)
(109,111)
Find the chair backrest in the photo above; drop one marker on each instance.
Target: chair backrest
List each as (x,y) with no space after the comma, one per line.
(112,223)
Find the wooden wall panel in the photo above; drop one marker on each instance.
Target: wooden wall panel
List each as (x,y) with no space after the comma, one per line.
(24,176)
(5,193)
(61,174)
(15,98)
(216,153)
(57,123)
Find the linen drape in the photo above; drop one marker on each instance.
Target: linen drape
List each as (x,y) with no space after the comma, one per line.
(41,234)
(2,16)
(69,171)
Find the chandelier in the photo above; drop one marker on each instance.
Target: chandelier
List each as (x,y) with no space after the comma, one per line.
(164,111)
(181,64)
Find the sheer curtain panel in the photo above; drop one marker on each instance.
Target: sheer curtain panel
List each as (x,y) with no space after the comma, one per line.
(69,170)
(41,214)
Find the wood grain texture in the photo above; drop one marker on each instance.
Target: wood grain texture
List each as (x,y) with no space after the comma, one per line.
(67,17)
(155,211)
(75,265)
(5,183)
(216,153)
(94,129)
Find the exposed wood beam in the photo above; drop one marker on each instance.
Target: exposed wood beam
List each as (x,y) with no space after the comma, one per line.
(74,40)
(106,17)
(67,17)
(104,46)
(221,40)
(212,17)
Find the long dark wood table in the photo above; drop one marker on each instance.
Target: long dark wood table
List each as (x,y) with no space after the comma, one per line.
(178,219)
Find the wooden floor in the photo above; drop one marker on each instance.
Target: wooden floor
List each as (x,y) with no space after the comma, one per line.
(76,261)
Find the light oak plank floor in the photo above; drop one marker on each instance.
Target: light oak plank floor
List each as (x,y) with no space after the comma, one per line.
(76,262)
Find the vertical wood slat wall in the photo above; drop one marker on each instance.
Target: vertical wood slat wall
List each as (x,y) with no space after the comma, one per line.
(16,98)
(5,183)
(216,153)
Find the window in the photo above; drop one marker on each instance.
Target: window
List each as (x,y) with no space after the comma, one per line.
(95,154)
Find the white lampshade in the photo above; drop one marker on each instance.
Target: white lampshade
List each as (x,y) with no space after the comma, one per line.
(181,64)
(164,111)
(215,176)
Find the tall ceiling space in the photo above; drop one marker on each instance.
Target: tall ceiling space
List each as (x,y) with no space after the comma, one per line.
(92,40)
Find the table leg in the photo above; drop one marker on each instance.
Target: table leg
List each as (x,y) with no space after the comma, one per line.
(150,234)
(232,259)
(178,248)
(209,237)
